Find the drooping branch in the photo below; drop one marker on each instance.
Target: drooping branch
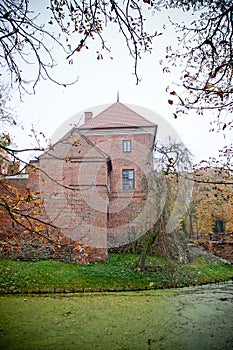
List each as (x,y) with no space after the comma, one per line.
(87,20)
(205,54)
(25,43)
(22,211)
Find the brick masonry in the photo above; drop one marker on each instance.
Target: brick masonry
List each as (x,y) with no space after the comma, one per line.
(79,180)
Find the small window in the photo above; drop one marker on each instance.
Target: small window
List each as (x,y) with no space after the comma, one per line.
(128,179)
(126,145)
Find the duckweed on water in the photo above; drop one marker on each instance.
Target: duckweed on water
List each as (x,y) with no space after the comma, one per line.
(181,319)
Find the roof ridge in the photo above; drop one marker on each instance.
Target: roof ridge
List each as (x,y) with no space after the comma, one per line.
(106,109)
(129,113)
(131,110)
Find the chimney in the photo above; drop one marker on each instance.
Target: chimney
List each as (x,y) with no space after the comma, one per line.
(88,116)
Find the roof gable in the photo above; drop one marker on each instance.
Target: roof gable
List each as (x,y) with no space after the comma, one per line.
(74,145)
(117,116)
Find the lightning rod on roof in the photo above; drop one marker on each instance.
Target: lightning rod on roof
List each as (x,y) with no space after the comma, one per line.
(117,95)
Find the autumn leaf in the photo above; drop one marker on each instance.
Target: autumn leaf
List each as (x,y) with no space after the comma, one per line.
(208,86)
(75,143)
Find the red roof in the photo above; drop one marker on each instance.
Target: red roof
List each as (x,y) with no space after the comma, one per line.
(117,116)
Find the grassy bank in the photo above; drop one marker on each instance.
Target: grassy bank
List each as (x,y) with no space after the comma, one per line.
(118,274)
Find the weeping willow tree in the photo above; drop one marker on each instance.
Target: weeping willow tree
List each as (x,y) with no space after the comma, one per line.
(170,189)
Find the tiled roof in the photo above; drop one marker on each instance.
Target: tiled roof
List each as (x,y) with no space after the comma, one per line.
(117,116)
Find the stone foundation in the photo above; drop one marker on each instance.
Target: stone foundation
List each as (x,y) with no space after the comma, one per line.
(33,249)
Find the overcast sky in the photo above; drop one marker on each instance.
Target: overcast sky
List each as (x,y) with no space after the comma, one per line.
(98,84)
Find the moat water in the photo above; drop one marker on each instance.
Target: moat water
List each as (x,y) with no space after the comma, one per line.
(194,318)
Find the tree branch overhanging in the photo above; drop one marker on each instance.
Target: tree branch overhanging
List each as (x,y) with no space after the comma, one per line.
(205,52)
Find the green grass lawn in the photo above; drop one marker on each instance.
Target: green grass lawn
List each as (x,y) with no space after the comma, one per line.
(118,274)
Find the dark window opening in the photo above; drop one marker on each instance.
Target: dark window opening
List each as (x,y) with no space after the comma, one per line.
(128,179)
(219,226)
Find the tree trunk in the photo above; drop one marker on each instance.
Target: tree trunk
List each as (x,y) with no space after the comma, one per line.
(149,239)
(168,244)
(191,233)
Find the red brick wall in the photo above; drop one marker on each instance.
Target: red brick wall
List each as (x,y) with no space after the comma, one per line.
(85,202)
(17,244)
(79,212)
(77,201)
(127,217)
(6,223)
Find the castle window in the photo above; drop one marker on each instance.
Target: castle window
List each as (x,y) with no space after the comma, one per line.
(128,179)
(126,145)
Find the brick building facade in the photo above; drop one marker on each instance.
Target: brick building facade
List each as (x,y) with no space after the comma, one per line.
(92,183)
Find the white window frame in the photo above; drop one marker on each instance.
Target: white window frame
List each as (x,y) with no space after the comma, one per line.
(128,179)
(127,146)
